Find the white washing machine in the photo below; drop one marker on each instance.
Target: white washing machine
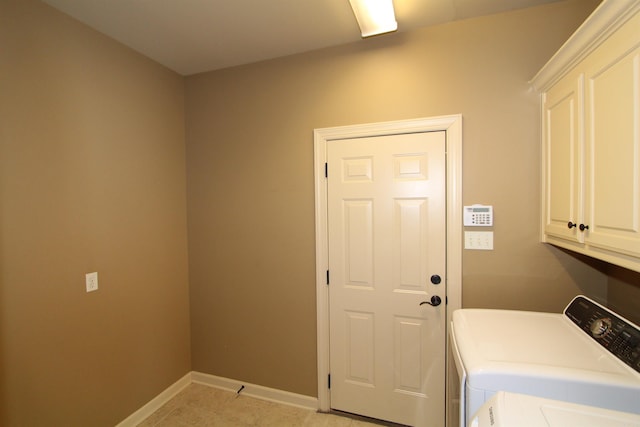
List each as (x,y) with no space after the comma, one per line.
(586,355)
(520,410)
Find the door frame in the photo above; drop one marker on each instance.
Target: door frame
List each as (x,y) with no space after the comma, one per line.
(452,126)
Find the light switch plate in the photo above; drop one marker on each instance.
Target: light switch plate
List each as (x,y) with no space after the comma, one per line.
(478,240)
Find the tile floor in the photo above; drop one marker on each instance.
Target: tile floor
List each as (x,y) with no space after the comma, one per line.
(204,406)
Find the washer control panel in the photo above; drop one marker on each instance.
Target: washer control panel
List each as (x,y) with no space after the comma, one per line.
(619,336)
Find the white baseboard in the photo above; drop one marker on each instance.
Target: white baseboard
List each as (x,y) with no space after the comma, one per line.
(251,390)
(257,391)
(155,403)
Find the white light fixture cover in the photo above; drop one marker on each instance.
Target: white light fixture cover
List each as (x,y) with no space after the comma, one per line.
(374,16)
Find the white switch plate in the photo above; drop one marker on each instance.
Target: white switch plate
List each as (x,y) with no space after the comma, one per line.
(92,281)
(478,240)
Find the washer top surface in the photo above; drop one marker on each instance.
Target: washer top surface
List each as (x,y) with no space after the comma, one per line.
(512,409)
(520,344)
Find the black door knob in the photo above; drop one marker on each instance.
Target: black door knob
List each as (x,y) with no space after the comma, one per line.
(435,279)
(435,301)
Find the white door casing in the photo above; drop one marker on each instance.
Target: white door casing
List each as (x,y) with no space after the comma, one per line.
(452,125)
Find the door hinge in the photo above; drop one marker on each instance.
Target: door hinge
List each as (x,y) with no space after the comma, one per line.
(326,170)
(329,381)
(327,277)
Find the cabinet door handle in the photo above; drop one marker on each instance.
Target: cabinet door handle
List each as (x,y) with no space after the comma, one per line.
(583,227)
(571,225)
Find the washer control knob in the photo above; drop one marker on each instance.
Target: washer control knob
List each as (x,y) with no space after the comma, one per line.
(600,327)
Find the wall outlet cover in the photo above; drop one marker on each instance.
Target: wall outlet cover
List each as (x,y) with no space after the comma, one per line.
(91,281)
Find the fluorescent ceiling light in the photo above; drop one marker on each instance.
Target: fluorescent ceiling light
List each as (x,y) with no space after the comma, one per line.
(374,16)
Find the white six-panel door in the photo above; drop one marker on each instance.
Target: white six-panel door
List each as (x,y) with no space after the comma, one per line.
(387,238)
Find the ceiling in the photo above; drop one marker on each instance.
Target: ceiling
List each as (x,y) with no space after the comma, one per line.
(192,36)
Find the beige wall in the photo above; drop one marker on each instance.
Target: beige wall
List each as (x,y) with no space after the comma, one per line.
(92,178)
(623,294)
(250,179)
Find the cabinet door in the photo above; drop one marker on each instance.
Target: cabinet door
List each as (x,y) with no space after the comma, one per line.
(563,158)
(613,143)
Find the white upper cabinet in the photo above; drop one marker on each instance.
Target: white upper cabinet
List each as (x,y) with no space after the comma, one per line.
(590,93)
(563,155)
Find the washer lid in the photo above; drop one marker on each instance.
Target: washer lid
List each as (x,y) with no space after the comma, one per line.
(512,345)
(511,409)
